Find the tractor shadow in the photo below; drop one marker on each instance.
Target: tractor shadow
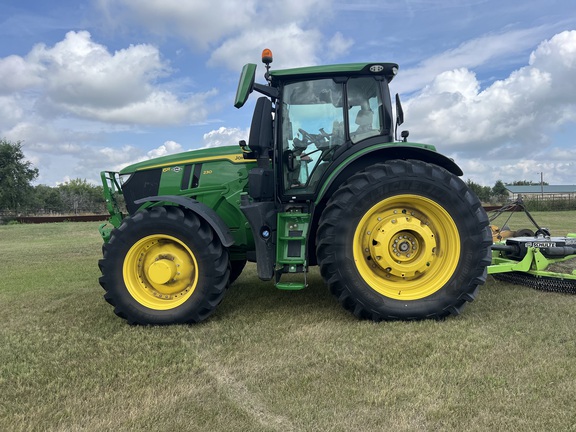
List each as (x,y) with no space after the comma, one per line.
(248,295)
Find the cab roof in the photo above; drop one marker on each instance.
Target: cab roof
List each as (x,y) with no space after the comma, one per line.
(388,70)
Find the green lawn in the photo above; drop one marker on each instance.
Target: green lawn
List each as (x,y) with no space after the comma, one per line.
(270,360)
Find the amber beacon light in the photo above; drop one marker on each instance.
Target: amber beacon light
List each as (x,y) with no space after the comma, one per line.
(267,56)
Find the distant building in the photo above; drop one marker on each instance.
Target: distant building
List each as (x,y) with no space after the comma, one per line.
(546,192)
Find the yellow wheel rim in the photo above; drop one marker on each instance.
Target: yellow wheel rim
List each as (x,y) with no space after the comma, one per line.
(160,272)
(406,247)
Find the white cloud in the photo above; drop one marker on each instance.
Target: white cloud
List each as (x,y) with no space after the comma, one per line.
(225,137)
(207,24)
(292,46)
(159,108)
(200,22)
(115,159)
(169,147)
(455,112)
(504,130)
(338,46)
(16,74)
(508,170)
(482,51)
(237,30)
(62,99)
(80,78)
(11,111)
(77,69)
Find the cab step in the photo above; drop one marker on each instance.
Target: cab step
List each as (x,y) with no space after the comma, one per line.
(290,286)
(291,247)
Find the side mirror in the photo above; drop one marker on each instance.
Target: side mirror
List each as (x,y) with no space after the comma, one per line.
(399,111)
(399,116)
(245,85)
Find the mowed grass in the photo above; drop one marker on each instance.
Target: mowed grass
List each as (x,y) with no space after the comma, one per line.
(270,360)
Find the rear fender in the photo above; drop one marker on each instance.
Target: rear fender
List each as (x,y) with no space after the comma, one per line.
(350,164)
(200,209)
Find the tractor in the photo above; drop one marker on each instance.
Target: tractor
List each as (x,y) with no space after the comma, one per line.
(322,181)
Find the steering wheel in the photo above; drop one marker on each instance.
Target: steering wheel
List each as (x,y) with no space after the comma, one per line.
(320,140)
(307,136)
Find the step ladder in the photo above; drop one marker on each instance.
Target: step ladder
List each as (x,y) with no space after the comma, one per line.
(292,232)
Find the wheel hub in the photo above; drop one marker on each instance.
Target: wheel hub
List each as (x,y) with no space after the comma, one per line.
(401,244)
(162,271)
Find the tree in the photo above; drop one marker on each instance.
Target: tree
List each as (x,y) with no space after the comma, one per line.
(15,177)
(483,192)
(527,183)
(46,200)
(499,191)
(80,196)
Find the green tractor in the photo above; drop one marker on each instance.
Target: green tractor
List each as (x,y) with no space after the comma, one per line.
(321,181)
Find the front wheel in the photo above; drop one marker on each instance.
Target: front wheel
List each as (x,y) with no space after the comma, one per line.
(164,266)
(404,240)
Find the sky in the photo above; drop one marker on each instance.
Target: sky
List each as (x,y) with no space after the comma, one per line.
(92,85)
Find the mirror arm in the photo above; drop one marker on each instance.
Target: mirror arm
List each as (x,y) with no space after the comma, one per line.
(271,92)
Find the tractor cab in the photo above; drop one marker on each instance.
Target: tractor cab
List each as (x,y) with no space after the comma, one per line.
(319,113)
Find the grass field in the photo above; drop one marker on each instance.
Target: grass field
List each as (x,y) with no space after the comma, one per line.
(270,360)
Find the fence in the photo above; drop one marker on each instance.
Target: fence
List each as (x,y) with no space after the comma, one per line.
(550,202)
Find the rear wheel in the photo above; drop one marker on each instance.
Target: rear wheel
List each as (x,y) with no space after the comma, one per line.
(404,240)
(164,266)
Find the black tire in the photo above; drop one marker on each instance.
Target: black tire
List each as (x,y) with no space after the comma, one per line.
(236,267)
(524,232)
(164,266)
(404,240)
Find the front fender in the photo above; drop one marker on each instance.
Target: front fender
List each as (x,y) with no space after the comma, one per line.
(200,209)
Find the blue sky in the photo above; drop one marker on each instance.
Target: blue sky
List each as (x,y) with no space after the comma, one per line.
(94,85)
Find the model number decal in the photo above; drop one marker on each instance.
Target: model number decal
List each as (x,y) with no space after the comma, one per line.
(207,172)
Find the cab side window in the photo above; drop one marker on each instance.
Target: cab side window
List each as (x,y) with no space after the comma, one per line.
(364,104)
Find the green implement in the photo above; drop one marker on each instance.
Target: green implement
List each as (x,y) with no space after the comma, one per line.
(540,262)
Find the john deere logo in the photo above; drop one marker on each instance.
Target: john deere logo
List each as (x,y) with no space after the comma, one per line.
(376,68)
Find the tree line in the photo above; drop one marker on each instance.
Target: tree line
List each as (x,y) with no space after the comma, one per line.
(19,197)
(497,194)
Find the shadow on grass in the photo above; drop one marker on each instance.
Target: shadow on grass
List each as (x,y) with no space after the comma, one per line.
(252,297)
